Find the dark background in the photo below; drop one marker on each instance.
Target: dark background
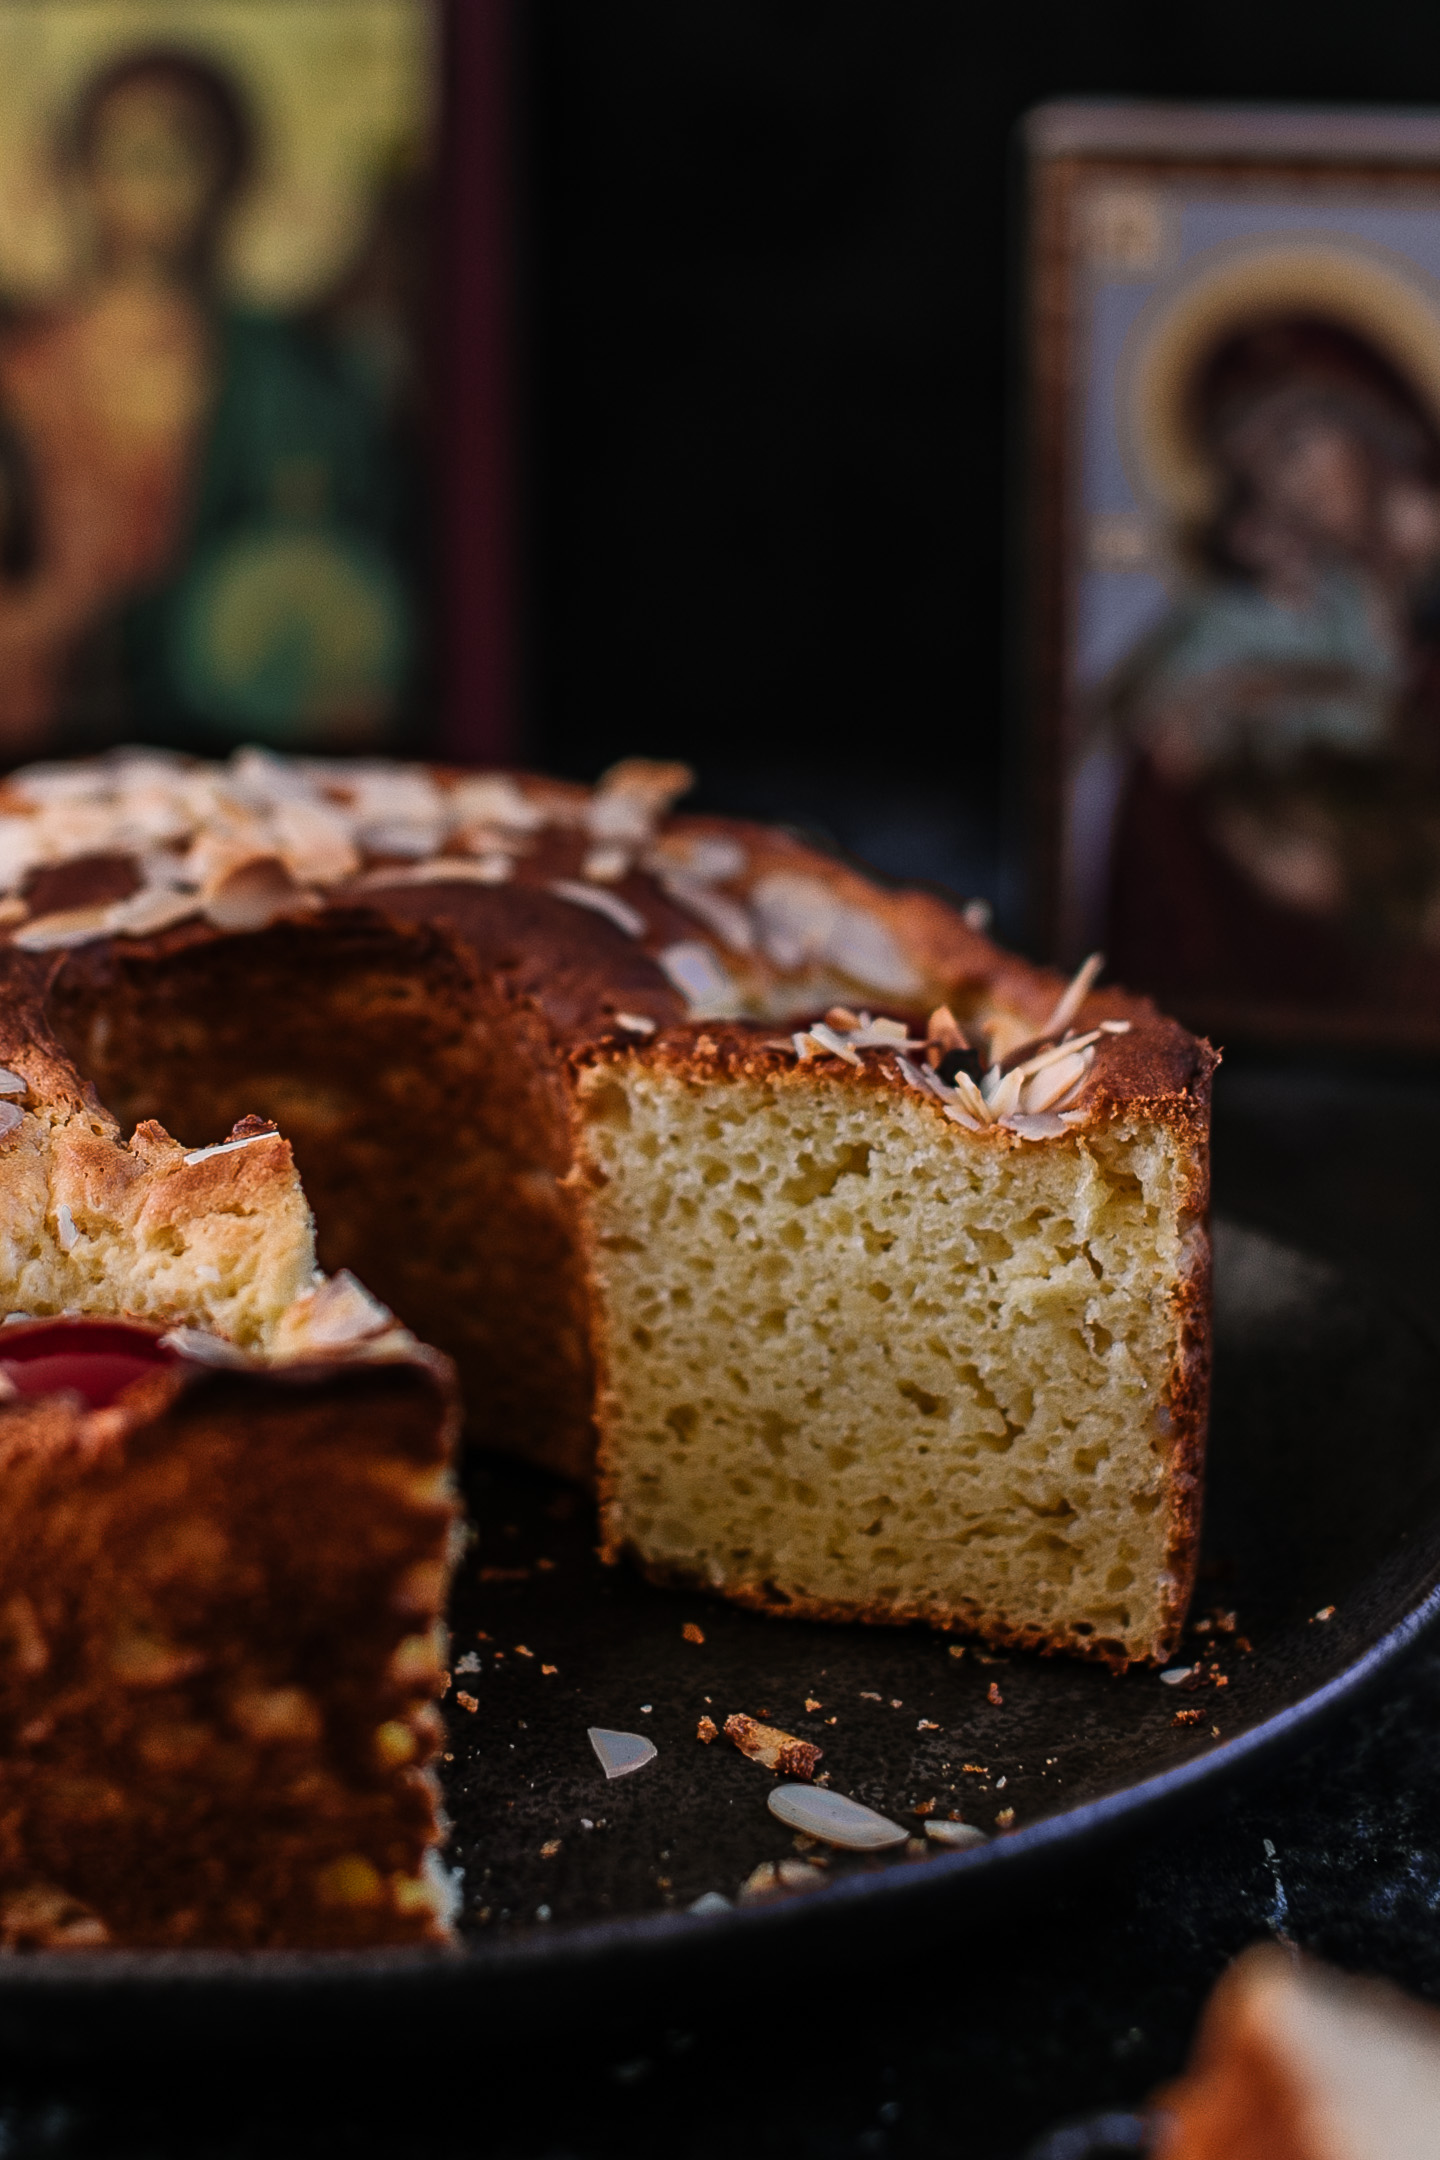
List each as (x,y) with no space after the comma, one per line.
(769,369)
(770,256)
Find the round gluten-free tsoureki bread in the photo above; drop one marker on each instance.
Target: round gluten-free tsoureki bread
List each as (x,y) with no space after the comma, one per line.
(861,1267)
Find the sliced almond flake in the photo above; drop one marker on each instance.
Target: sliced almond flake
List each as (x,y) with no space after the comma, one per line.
(618,1753)
(228,1147)
(12,1083)
(636,1023)
(609,904)
(67,1237)
(12,1117)
(1045,1126)
(1116,1027)
(1074,996)
(1073,1093)
(702,979)
(1004,1096)
(203,1349)
(494,799)
(943,1028)
(911,1073)
(408,837)
(69,926)
(834,1819)
(606,865)
(840,1016)
(932,1083)
(448,870)
(632,797)
(884,1035)
(706,856)
(835,1044)
(340,1312)
(255,893)
(724,917)
(800,922)
(963,1117)
(968,1095)
(710,1901)
(1074,1117)
(1066,1047)
(804,1046)
(150,910)
(314,841)
(956,1836)
(1050,1086)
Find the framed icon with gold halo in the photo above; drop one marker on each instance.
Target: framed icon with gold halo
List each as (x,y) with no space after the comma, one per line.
(214,239)
(1235,545)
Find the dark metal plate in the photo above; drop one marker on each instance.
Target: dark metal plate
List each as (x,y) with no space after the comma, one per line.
(1324,1492)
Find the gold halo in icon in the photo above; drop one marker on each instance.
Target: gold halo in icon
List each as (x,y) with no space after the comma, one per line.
(1371,292)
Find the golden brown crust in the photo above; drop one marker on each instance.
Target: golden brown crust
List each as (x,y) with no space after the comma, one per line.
(215,1727)
(1188,1396)
(1157,1072)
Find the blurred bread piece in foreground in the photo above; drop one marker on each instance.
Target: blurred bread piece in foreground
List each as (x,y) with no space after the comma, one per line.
(1295,2061)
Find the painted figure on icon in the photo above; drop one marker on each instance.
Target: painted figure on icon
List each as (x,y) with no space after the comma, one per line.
(1264,762)
(208,530)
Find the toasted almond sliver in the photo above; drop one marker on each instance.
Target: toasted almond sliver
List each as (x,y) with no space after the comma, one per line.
(963,1117)
(945,1029)
(227,1147)
(969,1095)
(835,1044)
(835,1818)
(1074,995)
(1052,1051)
(1046,1088)
(1004,1096)
(620,1753)
(600,902)
(1042,1126)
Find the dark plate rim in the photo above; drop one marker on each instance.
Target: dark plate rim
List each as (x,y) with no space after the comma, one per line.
(649,1937)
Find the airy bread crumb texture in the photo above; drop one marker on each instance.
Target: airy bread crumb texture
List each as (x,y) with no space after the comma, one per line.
(864,1364)
(222,1241)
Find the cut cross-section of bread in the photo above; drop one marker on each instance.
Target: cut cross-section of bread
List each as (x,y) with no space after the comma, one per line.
(866,1357)
(218,1236)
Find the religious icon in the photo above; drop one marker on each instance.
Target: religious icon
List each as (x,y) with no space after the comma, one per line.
(1239,449)
(211,524)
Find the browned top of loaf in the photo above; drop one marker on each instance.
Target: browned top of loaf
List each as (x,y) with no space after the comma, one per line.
(1158,1070)
(618,918)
